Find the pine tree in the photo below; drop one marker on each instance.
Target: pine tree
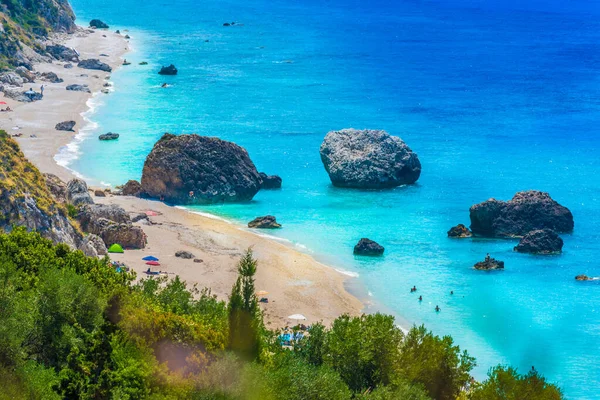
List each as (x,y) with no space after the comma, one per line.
(244,314)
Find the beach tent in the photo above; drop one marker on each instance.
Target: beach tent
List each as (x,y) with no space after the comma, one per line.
(297,317)
(150,258)
(115,248)
(152,263)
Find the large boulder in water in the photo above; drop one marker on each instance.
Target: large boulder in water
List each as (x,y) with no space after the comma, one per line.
(170,70)
(270,181)
(266,222)
(489,264)
(77,193)
(368,159)
(368,247)
(459,231)
(526,212)
(541,241)
(96,23)
(192,169)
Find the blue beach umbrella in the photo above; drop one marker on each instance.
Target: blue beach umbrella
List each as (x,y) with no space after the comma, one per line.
(150,258)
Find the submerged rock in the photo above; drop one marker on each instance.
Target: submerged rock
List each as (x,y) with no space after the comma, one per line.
(109,136)
(527,211)
(184,254)
(77,193)
(65,126)
(270,181)
(542,241)
(266,222)
(459,231)
(96,23)
(170,70)
(489,264)
(192,169)
(368,247)
(368,159)
(94,63)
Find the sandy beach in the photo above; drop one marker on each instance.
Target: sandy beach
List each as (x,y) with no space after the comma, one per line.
(296,282)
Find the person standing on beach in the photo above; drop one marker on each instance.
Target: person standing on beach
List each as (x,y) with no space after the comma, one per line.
(42,90)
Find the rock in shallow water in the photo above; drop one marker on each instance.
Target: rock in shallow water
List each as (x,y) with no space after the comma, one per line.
(526,212)
(266,222)
(192,169)
(459,231)
(368,247)
(170,70)
(489,264)
(368,159)
(542,241)
(270,181)
(109,136)
(96,23)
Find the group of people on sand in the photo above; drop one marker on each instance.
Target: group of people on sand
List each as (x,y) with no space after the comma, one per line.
(437,308)
(7,109)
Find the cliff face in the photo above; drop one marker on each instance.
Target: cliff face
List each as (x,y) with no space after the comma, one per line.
(24,24)
(25,199)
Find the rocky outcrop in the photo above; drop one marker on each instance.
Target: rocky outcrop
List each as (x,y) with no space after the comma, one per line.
(368,159)
(57,187)
(94,63)
(51,77)
(96,23)
(62,53)
(65,126)
(26,201)
(131,188)
(266,222)
(77,193)
(542,241)
(459,231)
(11,78)
(489,264)
(170,70)
(113,224)
(139,217)
(368,247)
(184,254)
(526,212)
(192,169)
(91,213)
(99,193)
(270,181)
(25,74)
(93,246)
(109,136)
(583,278)
(79,88)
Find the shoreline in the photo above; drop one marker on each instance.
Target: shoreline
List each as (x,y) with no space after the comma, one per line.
(296,282)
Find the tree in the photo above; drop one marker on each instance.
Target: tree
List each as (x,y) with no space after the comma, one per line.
(245,319)
(504,383)
(436,363)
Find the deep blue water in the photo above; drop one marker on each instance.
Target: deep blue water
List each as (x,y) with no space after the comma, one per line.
(494,97)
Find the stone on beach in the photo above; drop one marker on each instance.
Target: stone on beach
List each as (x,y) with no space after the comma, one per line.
(51,77)
(65,126)
(131,188)
(99,193)
(459,231)
(77,193)
(368,247)
(270,181)
(192,169)
(170,70)
(368,159)
(527,211)
(184,254)
(266,222)
(95,64)
(11,78)
(27,75)
(541,241)
(62,53)
(79,88)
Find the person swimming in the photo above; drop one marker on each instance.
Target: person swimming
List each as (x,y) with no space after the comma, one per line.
(451,292)
(420,298)
(414,289)
(437,308)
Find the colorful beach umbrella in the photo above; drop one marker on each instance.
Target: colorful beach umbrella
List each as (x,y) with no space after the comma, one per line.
(2,102)
(150,258)
(153,263)
(115,248)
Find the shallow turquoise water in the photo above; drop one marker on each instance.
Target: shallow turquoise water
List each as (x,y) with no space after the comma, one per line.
(494,99)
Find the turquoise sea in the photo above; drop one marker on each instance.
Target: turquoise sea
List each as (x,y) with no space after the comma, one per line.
(495,97)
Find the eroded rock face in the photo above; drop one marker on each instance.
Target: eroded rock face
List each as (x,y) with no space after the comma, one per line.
(62,53)
(368,247)
(542,241)
(131,188)
(489,264)
(526,212)
(192,169)
(77,193)
(266,222)
(270,181)
(368,159)
(459,231)
(184,254)
(65,126)
(57,187)
(93,246)
(170,70)
(94,63)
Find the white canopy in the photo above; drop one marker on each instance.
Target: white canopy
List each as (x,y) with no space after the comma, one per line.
(297,316)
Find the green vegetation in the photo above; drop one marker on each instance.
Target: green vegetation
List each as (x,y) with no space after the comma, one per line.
(72,327)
